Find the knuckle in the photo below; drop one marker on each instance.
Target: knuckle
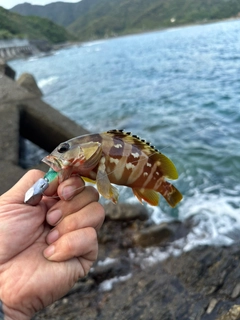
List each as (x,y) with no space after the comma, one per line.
(91,234)
(99,211)
(71,224)
(93,191)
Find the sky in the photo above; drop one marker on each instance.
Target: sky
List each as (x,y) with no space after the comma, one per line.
(8,4)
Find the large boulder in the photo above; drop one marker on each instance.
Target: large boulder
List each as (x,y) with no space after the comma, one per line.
(28,82)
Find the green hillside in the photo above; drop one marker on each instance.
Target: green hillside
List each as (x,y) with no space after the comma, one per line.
(92,19)
(13,25)
(119,17)
(62,13)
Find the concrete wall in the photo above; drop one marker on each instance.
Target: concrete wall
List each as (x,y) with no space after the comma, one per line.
(10,49)
(23,113)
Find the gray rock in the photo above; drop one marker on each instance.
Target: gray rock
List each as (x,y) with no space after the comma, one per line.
(28,82)
(117,268)
(232,314)
(125,212)
(153,235)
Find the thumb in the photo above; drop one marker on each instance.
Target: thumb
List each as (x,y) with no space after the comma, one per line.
(17,193)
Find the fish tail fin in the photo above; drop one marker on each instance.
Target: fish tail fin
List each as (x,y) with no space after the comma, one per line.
(170,193)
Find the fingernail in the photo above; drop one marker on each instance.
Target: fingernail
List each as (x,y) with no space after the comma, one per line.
(52,236)
(54,216)
(68,192)
(49,251)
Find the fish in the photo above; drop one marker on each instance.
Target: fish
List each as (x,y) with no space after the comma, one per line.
(120,158)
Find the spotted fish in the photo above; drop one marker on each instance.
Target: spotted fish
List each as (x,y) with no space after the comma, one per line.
(120,158)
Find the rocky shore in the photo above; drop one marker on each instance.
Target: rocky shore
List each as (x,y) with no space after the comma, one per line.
(136,276)
(201,284)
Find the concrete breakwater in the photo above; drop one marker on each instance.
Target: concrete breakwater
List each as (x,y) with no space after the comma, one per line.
(17,48)
(23,113)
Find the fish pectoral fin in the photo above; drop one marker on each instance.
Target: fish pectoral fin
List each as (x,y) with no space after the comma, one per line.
(88,180)
(103,183)
(150,196)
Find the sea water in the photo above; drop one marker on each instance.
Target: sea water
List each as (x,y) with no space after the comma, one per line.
(177,88)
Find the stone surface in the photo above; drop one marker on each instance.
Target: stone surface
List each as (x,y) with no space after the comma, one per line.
(10,91)
(9,175)
(179,288)
(153,235)
(45,126)
(28,82)
(233,314)
(125,212)
(22,113)
(9,133)
(6,70)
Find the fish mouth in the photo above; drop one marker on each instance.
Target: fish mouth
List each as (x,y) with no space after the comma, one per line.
(53,163)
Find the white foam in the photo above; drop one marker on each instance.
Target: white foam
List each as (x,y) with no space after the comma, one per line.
(106,262)
(45,82)
(93,43)
(214,217)
(107,285)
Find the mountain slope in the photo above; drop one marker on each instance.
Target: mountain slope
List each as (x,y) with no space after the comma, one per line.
(92,19)
(112,17)
(62,13)
(13,25)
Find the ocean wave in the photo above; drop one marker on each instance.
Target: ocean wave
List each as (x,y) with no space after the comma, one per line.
(47,81)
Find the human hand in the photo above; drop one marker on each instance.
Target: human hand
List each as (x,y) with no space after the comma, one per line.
(39,264)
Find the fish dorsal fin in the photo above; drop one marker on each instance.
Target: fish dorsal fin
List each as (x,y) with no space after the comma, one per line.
(166,165)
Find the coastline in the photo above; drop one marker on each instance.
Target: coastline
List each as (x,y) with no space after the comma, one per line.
(51,48)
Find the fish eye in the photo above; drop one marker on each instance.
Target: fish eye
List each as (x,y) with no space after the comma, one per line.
(64,147)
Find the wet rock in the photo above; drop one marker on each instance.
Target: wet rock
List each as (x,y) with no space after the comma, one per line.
(177,288)
(116,268)
(28,82)
(162,233)
(153,235)
(125,212)
(236,291)
(115,234)
(6,70)
(232,314)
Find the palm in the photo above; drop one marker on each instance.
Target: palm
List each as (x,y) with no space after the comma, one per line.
(29,281)
(38,275)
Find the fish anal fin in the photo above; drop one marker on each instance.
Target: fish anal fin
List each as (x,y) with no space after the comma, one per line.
(148,195)
(170,193)
(103,183)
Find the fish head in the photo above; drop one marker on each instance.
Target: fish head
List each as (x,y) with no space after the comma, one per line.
(81,156)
